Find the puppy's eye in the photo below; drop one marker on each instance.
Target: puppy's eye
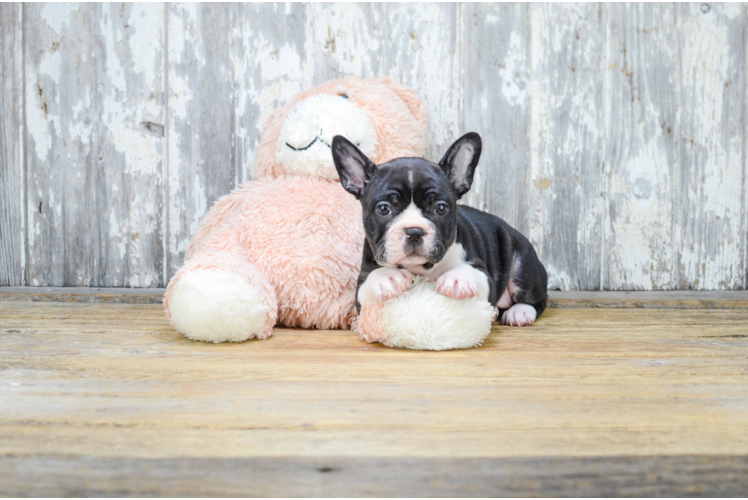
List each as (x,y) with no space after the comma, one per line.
(384,209)
(441,208)
(344,96)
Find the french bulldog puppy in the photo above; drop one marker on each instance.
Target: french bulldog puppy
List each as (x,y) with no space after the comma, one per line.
(414,226)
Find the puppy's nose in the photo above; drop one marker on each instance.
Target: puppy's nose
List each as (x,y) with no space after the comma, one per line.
(414,233)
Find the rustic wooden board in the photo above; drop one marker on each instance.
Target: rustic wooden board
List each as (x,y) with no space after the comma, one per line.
(94,132)
(201,121)
(713,40)
(615,401)
(12,240)
(414,44)
(642,160)
(496,49)
(567,116)
(83,294)
(676,476)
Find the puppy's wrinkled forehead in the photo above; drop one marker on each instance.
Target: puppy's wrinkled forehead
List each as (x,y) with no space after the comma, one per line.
(409,179)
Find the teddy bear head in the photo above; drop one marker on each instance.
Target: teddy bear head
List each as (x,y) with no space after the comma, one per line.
(383,118)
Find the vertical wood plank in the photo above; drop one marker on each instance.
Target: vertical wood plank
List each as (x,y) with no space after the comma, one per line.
(12,252)
(269,65)
(642,147)
(566,142)
(497,98)
(201,118)
(414,44)
(94,119)
(712,40)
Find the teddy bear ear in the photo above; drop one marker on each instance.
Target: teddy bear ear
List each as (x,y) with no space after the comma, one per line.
(415,105)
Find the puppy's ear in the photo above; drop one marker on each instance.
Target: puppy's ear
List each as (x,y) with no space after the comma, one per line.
(460,161)
(354,168)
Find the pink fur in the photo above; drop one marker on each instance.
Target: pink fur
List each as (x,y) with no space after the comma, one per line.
(368,324)
(299,240)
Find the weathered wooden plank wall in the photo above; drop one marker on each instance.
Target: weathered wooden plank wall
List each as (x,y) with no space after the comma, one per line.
(614,133)
(12,244)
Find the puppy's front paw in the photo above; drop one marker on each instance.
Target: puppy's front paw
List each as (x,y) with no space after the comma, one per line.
(519,315)
(458,283)
(384,284)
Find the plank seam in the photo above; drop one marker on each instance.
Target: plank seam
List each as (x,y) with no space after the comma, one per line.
(678,175)
(460,62)
(165,157)
(604,146)
(24,170)
(743,151)
(310,66)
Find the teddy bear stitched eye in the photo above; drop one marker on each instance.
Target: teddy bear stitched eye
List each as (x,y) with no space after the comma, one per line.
(384,209)
(441,208)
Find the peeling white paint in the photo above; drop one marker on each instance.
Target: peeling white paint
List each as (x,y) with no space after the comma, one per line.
(513,82)
(57,15)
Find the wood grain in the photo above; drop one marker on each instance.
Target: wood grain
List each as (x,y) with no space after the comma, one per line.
(12,244)
(642,160)
(585,398)
(713,40)
(675,476)
(496,46)
(94,129)
(201,120)
(567,113)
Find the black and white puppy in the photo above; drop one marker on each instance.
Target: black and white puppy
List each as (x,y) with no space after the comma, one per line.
(414,226)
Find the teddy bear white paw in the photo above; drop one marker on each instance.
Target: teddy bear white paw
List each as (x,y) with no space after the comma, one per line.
(218,306)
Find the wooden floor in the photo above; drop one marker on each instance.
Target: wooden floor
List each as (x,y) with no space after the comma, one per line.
(104,399)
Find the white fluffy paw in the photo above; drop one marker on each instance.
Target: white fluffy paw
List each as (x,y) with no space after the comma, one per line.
(519,315)
(463,282)
(218,306)
(384,283)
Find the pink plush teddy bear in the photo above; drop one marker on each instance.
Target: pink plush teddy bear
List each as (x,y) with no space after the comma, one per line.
(286,248)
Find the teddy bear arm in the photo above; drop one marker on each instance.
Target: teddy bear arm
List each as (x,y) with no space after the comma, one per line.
(218,296)
(224,209)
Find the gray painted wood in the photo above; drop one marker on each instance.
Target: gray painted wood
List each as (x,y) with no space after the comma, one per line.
(94,131)
(200,119)
(710,208)
(641,155)
(566,132)
(614,134)
(12,249)
(496,52)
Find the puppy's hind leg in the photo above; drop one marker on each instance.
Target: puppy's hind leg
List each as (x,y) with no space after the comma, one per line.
(528,286)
